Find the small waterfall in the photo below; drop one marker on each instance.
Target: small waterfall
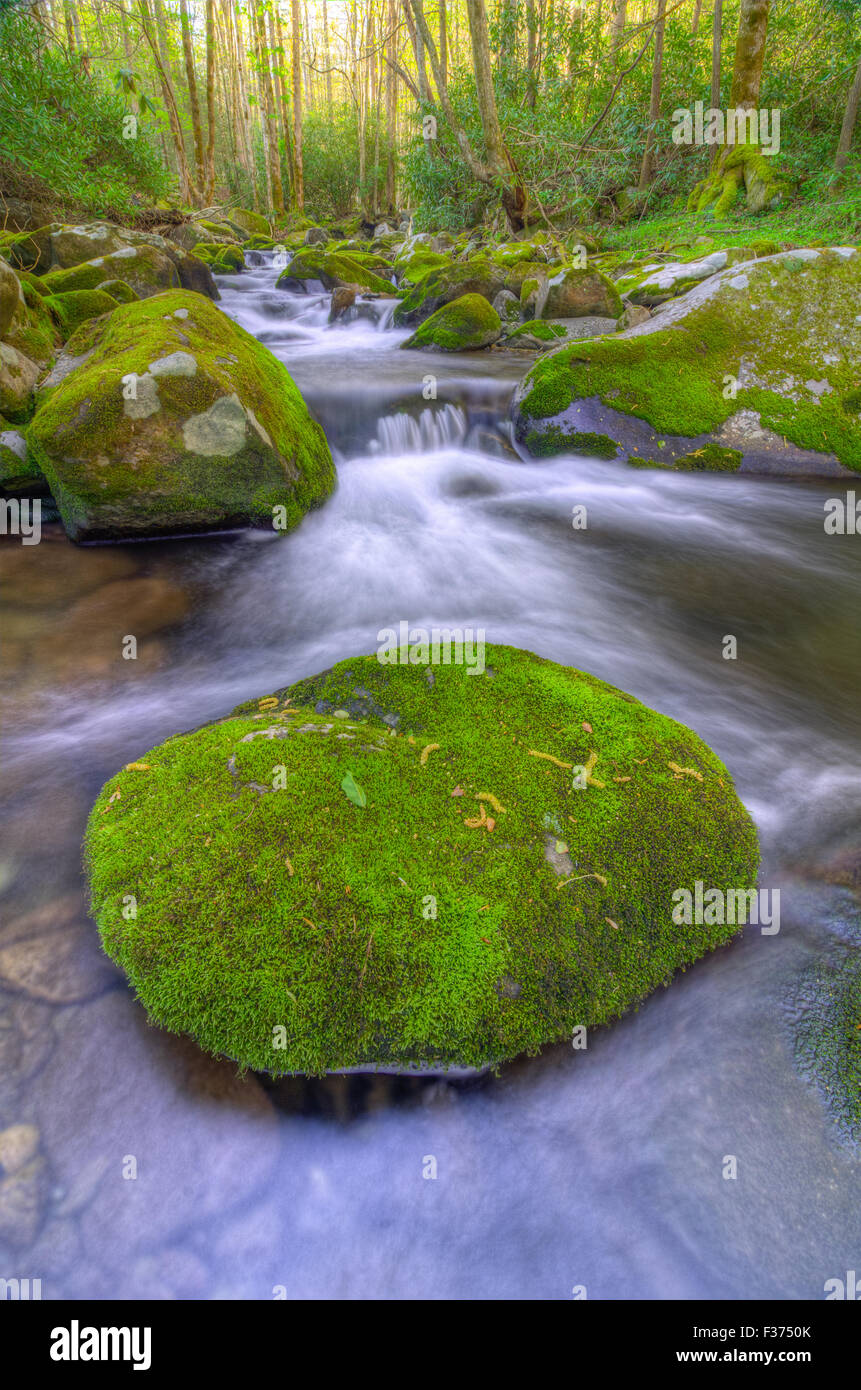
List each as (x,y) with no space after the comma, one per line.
(433,431)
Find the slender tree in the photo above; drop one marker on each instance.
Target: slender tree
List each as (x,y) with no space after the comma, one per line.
(646,168)
(847,130)
(296,58)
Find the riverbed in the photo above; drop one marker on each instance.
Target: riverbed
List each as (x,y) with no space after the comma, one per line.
(158,1172)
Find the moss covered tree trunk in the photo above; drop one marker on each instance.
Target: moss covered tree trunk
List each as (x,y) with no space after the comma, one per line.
(741,164)
(850,116)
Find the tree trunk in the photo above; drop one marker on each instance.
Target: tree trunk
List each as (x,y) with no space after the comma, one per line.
(717,39)
(654,100)
(617,30)
(189,192)
(210,100)
(283,95)
(698,9)
(296,36)
(194,104)
(327,61)
(847,130)
(749,52)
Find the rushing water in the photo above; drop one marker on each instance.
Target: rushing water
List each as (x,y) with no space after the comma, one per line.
(601,1168)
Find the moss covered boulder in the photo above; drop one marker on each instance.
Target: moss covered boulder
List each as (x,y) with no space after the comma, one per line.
(452,280)
(333,270)
(168,417)
(221,259)
(755,369)
(385,864)
(576,293)
(73,308)
(464,325)
(145,268)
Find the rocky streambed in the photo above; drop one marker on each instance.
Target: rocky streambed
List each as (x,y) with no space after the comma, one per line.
(135,1165)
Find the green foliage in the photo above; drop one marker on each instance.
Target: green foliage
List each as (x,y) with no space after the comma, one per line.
(64,128)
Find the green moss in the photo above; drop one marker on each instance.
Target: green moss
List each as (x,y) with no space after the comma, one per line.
(452,280)
(33,330)
(395,932)
(466,323)
(828,1041)
(73,308)
(674,377)
(115,474)
(537,328)
(221,259)
(556,440)
(220,228)
(252,222)
(119,290)
(335,268)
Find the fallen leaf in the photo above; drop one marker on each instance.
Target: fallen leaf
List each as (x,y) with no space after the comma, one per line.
(138,767)
(426,752)
(290,869)
(350,786)
(587,727)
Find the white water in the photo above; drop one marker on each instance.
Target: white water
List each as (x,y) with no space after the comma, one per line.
(601,1168)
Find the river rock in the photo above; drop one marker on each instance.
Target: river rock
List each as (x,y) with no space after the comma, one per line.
(11,296)
(574,293)
(205,1139)
(334,269)
(373,917)
(18,376)
(464,325)
(751,370)
(174,419)
(251,222)
(146,269)
(59,967)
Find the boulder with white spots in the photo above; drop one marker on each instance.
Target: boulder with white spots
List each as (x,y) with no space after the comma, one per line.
(166,417)
(755,369)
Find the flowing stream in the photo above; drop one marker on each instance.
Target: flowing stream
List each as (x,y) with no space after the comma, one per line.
(159,1172)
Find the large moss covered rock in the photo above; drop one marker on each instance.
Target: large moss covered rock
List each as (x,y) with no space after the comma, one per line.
(373,866)
(756,368)
(251,222)
(174,419)
(145,268)
(334,269)
(464,325)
